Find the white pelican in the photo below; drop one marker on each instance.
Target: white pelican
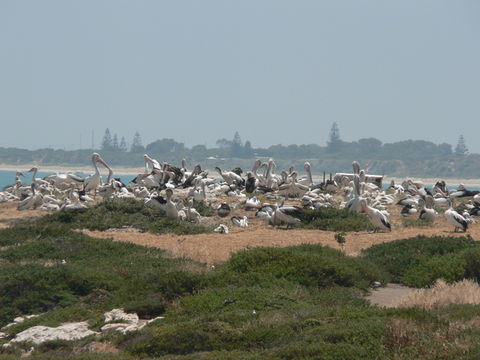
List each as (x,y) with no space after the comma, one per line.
(253,203)
(230,177)
(200,194)
(64,181)
(154,163)
(309,179)
(35,180)
(33,201)
(286,214)
(192,214)
(455,218)
(92,182)
(426,212)
(239,221)
(171,208)
(221,229)
(378,218)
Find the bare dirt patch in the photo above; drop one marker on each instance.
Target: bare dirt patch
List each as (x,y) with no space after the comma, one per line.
(217,248)
(390,295)
(9,213)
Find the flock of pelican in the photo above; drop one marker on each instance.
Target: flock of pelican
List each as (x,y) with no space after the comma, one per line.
(176,190)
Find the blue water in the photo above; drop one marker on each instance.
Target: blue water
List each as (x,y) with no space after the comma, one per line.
(8,177)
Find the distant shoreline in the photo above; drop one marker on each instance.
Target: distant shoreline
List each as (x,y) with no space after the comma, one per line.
(64,169)
(137,170)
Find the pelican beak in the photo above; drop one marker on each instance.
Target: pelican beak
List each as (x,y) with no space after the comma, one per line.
(32,169)
(101,161)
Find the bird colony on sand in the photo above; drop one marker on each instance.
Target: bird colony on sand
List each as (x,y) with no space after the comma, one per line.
(175,190)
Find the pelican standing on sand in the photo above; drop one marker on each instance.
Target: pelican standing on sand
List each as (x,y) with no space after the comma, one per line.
(455,218)
(378,218)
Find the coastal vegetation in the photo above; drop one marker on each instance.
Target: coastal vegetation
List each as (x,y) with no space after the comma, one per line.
(415,157)
(272,303)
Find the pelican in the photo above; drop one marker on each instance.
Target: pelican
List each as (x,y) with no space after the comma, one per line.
(223,210)
(35,180)
(64,181)
(455,218)
(200,194)
(309,179)
(286,214)
(171,208)
(230,177)
(463,192)
(92,182)
(221,229)
(378,218)
(33,201)
(154,163)
(354,203)
(239,221)
(192,214)
(253,203)
(426,212)
(250,183)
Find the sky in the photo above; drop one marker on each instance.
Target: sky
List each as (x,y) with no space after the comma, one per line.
(278,72)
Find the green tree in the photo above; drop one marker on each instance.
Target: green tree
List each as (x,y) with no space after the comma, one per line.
(123,144)
(334,143)
(137,145)
(165,146)
(461,148)
(248,150)
(115,145)
(107,143)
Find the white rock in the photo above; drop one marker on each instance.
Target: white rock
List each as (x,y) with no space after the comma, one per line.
(128,327)
(40,334)
(120,315)
(19,320)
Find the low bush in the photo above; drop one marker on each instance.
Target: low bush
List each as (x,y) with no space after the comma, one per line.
(332,219)
(402,256)
(307,265)
(415,222)
(118,213)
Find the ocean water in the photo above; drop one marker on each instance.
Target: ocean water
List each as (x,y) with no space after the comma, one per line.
(8,177)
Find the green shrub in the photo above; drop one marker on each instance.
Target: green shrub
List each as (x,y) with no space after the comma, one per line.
(307,265)
(415,222)
(332,219)
(118,213)
(450,267)
(400,256)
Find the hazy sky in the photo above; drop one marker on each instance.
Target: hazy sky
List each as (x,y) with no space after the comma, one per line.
(276,71)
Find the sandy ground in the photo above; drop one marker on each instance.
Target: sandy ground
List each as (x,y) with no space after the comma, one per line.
(389,296)
(217,248)
(214,249)
(9,213)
